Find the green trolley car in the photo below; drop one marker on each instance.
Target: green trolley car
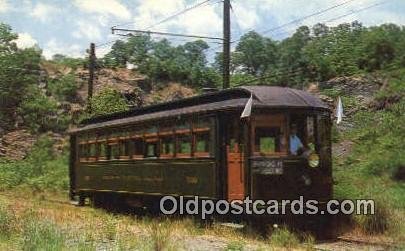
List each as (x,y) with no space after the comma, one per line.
(200,146)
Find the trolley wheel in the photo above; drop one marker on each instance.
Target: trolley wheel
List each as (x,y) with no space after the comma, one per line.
(82,201)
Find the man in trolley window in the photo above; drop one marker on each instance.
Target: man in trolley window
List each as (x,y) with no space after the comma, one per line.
(295,142)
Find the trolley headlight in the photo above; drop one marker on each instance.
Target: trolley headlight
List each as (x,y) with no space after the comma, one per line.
(313,160)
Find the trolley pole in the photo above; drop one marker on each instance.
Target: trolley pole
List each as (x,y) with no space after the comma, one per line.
(227,44)
(92,65)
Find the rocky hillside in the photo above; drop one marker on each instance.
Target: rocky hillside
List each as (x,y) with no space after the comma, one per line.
(16,142)
(135,87)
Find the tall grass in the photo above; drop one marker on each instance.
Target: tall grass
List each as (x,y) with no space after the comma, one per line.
(7,222)
(41,235)
(160,235)
(282,237)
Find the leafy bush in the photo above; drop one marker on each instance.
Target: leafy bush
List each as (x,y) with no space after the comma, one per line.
(106,102)
(64,88)
(41,170)
(40,112)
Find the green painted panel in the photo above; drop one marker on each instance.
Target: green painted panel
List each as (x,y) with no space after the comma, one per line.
(181,177)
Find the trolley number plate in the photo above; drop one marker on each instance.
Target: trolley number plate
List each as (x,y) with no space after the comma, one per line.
(269,167)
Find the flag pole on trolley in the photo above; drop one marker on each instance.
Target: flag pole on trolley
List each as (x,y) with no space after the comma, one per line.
(339,111)
(248,108)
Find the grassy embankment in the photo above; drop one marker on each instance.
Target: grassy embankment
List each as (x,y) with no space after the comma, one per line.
(375,167)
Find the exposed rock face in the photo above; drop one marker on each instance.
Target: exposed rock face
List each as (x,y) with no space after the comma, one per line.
(173,91)
(16,144)
(363,85)
(123,80)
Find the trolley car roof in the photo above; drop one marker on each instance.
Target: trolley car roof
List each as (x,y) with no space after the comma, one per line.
(234,98)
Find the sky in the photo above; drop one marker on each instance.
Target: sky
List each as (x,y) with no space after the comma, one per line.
(69,26)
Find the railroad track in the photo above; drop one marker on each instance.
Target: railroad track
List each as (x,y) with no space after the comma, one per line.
(368,242)
(350,243)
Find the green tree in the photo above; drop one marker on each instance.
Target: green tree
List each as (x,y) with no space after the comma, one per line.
(19,68)
(40,112)
(293,67)
(255,54)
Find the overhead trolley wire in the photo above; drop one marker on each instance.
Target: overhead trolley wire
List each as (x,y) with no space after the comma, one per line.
(174,15)
(352,12)
(306,17)
(356,11)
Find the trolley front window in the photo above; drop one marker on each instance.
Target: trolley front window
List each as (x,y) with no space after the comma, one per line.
(269,135)
(267,140)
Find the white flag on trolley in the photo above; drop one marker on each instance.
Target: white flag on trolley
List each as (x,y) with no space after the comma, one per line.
(248,108)
(339,111)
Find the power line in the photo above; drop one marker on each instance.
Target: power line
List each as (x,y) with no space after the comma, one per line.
(206,2)
(306,17)
(163,33)
(106,43)
(356,11)
(352,12)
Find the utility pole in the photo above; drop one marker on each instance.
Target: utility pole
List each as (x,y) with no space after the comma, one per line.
(92,66)
(227,44)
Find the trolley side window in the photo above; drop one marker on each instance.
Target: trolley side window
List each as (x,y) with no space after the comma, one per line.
(138,145)
(183,139)
(184,145)
(202,142)
(124,146)
(92,151)
(151,142)
(83,152)
(102,151)
(151,149)
(167,139)
(167,146)
(114,150)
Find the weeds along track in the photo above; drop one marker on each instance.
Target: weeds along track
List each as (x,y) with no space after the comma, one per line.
(339,241)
